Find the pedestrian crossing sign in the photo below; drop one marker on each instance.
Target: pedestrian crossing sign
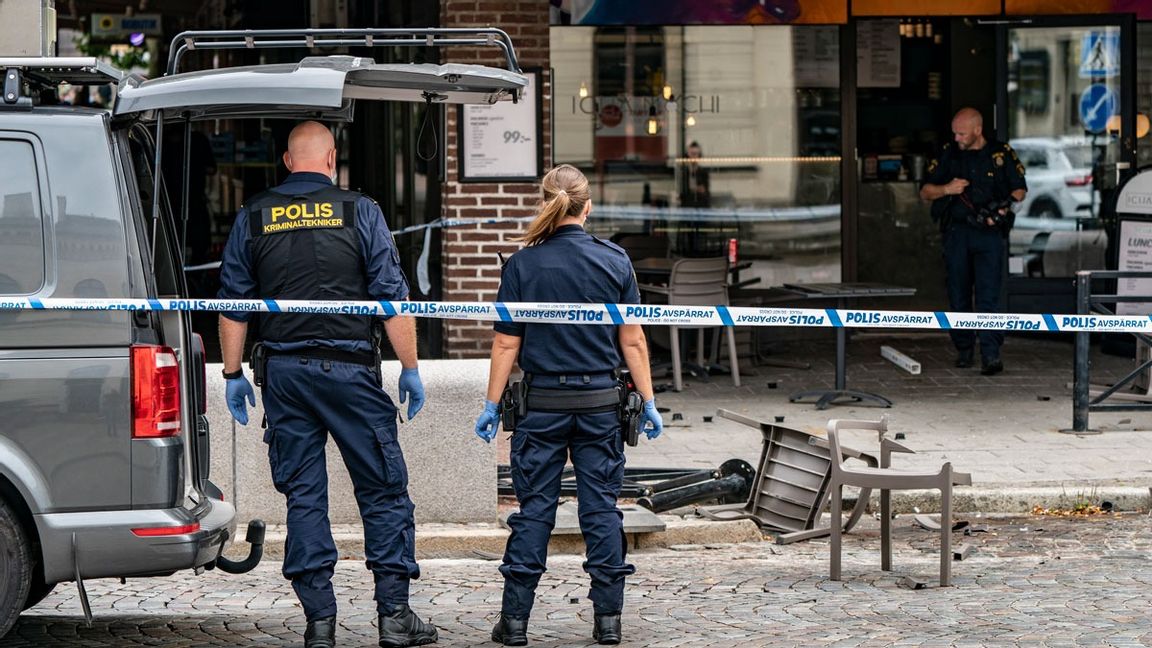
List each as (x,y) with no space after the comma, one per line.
(1100,54)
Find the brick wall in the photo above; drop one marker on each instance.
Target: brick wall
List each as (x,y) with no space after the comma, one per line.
(471,267)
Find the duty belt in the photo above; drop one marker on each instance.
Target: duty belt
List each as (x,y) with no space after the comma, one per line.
(366,358)
(574,401)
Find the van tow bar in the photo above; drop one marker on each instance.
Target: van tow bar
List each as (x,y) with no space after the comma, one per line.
(255,538)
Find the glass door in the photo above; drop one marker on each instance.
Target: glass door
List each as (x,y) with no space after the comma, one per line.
(1067,92)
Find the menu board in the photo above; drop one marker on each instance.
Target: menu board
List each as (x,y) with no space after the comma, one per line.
(502,142)
(1135,255)
(816,53)
(878,54)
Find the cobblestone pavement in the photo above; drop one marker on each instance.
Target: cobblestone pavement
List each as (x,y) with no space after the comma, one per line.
(1032,581)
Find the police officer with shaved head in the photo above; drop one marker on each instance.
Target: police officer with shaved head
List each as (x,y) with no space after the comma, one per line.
(972,185)
(320,375)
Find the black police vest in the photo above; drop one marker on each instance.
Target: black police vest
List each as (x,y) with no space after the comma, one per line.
(306,246)
(987,181)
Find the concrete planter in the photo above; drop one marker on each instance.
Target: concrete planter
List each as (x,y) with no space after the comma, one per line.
(452,474)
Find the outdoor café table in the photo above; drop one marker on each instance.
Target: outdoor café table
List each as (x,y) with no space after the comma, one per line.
(842,292)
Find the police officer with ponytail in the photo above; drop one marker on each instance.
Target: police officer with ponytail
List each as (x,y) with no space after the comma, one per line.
(307,239)
(571,404)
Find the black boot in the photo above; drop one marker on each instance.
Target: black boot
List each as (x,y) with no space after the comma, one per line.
(400,626)
(321,633)
(511,632)
(606,629)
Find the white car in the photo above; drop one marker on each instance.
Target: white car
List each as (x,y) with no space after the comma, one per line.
(1059,174)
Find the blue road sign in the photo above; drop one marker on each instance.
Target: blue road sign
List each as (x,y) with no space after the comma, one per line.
(1097,104)
(1100,54)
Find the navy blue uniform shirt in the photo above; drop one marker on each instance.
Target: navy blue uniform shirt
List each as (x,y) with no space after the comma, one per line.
(385,278)
(992,171)
(571,266)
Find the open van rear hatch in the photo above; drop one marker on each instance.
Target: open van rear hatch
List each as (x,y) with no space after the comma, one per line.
(319,87)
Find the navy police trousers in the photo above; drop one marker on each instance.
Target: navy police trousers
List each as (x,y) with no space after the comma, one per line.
(541,446)
(974,264)
(305,400)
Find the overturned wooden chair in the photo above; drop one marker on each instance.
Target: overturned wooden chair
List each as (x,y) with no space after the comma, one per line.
(886,480)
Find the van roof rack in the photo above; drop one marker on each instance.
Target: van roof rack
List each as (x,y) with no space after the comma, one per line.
(312,38)
(52,71)
(26,75)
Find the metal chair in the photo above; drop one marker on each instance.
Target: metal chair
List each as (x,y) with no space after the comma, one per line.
(885,480)
(697,282)
(791,483)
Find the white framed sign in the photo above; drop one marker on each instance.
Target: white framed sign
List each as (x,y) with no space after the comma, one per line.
(502,142)
(1134,255)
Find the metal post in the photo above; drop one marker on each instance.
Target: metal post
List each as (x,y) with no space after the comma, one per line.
(1080,362)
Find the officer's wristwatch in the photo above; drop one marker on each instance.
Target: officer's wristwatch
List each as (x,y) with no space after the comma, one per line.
(232,375)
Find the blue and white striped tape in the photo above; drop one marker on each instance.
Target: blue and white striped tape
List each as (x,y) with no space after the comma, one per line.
(621,314)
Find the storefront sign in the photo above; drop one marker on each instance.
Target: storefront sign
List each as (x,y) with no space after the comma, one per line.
(502,142)
(105,25)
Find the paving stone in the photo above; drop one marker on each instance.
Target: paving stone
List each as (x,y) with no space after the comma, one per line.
(1018,588)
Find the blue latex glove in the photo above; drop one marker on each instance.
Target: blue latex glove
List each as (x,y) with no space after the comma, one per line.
(651,416)
(236,391)
(488,422)
(411,386)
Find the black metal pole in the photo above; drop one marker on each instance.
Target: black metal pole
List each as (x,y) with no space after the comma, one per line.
(1080,362)
(686,480)
(700,492)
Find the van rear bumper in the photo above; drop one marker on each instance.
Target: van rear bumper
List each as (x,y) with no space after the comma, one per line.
(105,545)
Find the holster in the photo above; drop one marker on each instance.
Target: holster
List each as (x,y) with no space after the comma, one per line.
(631,407)
(377,346)
(513,405)
(258,363)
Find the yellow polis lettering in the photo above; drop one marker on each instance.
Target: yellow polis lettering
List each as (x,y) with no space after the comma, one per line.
(277,212)
(293,211)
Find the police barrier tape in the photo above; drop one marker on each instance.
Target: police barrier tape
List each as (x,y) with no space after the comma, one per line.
(666,315)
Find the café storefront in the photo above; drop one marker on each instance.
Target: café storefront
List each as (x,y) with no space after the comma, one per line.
(793,136)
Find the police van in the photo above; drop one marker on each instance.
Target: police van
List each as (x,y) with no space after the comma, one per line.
(104,441)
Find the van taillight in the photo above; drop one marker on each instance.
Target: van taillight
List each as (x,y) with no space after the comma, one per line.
(155,392)
(1078,180)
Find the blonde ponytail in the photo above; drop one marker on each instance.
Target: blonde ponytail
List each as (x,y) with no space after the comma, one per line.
(565,194)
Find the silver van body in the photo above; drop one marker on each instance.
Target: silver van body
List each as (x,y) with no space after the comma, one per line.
(104,449)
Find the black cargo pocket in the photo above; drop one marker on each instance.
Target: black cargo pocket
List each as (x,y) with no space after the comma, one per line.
(395,472)
(274,463)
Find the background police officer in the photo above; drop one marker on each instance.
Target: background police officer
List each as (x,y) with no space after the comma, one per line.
(967,184)
(569,411)
(307,239)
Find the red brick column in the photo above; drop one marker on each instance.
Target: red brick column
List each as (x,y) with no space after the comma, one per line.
(471,267)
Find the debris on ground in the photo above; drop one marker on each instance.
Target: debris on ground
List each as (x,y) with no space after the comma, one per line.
(1083,509)
(961,551)
(911,583)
